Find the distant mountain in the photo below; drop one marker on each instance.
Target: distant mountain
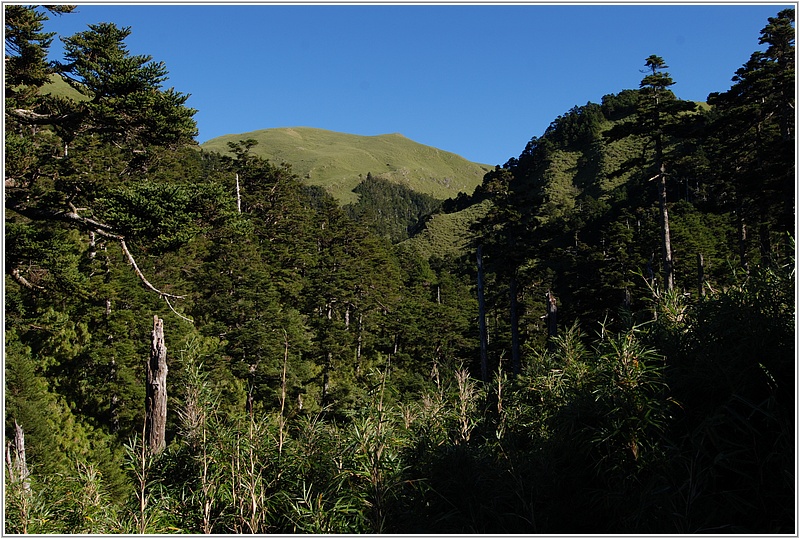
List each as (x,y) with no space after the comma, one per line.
(339,162)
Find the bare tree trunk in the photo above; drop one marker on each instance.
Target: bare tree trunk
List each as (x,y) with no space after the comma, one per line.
(551,316)
(16,461)
(326,378)
(482,318)
(700,276)
(328,363)
(666,246)
(156,396)
(743,244)
(238,195)
(92,253)
(359,342)
(669,271)
(515,360)
(282,417)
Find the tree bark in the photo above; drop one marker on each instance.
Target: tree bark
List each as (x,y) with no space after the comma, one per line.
(17,275)
(156,395)
(552,316)
(238,195)
(743,245)
(359,342)
(669,272)
(515,360)
(701,291)
(482,318)
(16,461)
(282,417)
(326,377)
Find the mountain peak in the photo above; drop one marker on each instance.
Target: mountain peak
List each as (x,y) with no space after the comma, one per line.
(338,162)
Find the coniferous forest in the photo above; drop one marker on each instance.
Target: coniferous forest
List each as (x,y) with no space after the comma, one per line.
(199,342)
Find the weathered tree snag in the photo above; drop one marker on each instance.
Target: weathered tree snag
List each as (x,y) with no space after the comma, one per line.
(238,195)
(515,362)
(701,291)
(666,244)
(743,240)
(359,342)
(15,459)
(551,316)
(326,381)
(482,318)
(156,396)
(282,417)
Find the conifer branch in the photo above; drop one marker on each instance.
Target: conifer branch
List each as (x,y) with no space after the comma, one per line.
(15,273)
(37,117)
(176,312)
(102,229)
(141,276)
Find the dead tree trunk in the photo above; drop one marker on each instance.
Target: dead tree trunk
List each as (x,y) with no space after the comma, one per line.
(551,316)
(15,459)
(156,395)
(359,342)
(515,361)
(482,318)
(742,228)
(326,380)
(701,291)
(282,417)
(238,195)
(669,271)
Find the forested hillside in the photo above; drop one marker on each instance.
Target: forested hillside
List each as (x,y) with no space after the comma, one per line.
(600,338)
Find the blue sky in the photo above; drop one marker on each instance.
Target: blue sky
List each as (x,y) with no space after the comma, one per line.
(476,80)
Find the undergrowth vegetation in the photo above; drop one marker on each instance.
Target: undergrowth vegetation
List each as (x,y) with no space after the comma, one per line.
(602,433)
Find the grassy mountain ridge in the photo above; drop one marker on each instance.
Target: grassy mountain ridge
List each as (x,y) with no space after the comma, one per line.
(581,165)
(338,162)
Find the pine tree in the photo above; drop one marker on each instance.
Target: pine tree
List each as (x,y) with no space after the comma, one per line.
(655,85)
(754,134)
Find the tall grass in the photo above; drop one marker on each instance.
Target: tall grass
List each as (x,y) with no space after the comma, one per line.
(681,424)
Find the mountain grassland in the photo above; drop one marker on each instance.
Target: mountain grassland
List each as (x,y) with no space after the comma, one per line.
(447,234)
(338,162)
(58,87)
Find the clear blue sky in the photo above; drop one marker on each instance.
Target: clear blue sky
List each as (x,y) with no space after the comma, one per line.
(476,80)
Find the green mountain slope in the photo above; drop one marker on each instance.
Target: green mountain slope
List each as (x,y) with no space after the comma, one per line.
(58,87)
(567,176)
(447,233)
(338,162)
